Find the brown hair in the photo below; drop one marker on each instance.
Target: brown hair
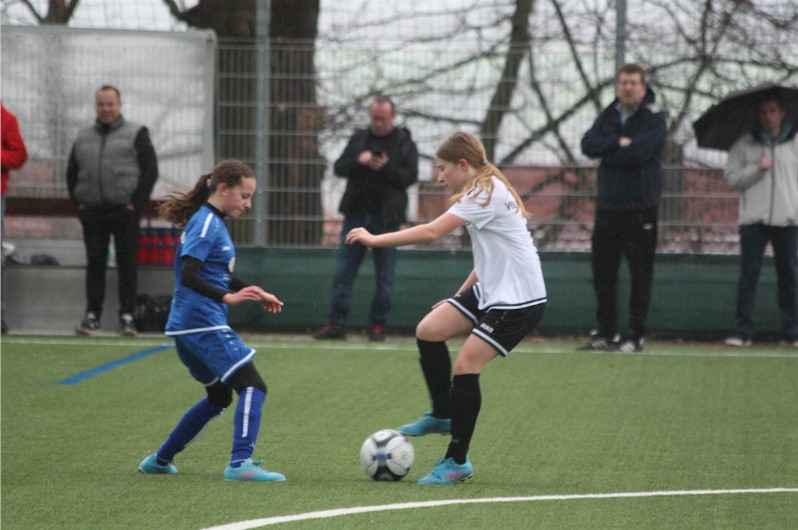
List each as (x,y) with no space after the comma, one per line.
(178,207)
(631,69)
(462,145)
(110,87)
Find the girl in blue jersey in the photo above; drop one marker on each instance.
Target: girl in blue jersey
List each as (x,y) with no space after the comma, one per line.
(204,288)
(499,303)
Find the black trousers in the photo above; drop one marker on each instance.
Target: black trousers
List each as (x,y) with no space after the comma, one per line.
(633,235)
(98,227)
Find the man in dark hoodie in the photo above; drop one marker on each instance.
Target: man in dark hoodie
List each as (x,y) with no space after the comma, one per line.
(379,162)
(629,137)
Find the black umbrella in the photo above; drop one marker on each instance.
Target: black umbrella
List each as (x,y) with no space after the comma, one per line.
(736,114)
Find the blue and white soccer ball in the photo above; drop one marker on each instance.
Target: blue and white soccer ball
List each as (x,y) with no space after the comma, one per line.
(387,455)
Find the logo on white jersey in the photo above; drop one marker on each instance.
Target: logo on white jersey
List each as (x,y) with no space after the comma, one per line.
(511,205)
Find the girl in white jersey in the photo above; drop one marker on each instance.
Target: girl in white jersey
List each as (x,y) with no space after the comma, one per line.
(499,303)
(213,353)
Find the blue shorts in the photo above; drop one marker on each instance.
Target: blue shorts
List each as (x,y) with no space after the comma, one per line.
(501,328)
(212,356)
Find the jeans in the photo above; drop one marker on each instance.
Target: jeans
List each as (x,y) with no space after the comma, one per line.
(753,241)
(98,227)
(616,234)
(349,259)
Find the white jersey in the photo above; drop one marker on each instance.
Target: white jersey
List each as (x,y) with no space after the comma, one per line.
(505,258)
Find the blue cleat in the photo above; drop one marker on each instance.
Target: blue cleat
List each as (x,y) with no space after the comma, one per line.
(447,471)
(251,471)
(150,466)
(427,424)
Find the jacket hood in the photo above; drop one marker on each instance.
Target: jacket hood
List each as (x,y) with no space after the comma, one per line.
(788,132)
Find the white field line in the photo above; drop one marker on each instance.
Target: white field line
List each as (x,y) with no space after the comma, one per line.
(282,344)
(326,514)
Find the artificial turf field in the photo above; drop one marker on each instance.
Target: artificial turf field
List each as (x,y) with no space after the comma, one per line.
(682,435)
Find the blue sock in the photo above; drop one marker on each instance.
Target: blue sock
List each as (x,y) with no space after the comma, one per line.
(246,424)
(188,428)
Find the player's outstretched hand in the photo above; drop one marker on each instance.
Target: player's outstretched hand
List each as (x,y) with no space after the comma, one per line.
(360,235)
(254,293)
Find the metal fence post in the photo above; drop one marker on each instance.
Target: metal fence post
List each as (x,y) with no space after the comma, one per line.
(262,126)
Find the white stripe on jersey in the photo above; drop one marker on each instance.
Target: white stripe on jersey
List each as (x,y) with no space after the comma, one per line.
(195,330)
(206,225)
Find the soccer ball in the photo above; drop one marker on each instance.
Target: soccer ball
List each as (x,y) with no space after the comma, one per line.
(387,455)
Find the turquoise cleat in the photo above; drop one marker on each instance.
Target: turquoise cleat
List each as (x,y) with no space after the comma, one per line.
(447,471)
(427,424)
(251,471)
(150,466)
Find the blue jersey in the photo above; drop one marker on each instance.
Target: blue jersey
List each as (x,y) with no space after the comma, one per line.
(205,238)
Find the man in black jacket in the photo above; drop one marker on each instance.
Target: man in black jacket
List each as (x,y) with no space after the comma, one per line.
(111,172)
(629,137)
(379,163)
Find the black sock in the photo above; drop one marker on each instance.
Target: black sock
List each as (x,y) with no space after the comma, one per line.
(437,368)
(466,402)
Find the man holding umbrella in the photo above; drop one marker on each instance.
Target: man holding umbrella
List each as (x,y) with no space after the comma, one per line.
(763,166)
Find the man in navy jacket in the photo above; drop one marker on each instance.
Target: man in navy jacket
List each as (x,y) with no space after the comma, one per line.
(629,138)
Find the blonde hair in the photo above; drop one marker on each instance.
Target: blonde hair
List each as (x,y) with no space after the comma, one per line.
(178,207)
(464,146)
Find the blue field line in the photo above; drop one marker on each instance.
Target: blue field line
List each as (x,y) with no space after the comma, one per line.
(82,376)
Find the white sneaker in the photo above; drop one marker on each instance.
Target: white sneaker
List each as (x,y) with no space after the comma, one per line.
(738,341)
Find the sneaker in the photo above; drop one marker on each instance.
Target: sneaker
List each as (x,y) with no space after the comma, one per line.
(427,424)
(738,341)
(330,331)
(251,471)
(89,326)
(447,471)
(127,328)
(628,345)
(597,342)
(376,333)
(150,466)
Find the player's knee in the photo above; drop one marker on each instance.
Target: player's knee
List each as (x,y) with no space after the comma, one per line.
(220,395)
(247,376)
(427,331)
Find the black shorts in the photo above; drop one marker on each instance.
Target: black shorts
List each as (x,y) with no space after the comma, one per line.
(501,328)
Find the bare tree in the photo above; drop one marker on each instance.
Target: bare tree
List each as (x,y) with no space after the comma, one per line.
(58,11)
(296,167)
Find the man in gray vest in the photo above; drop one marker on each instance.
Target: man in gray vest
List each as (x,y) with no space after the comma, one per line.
(111,172)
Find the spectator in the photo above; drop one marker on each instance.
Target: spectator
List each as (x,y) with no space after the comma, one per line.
(763,166)
(379,163)
(111,172)
(629,137)
(14,156)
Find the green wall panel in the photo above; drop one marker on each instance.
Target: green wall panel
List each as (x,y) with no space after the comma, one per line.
(693,295)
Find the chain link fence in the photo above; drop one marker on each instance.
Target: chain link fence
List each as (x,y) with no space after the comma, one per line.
(317,94)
